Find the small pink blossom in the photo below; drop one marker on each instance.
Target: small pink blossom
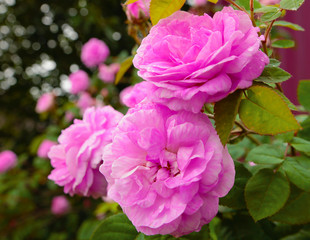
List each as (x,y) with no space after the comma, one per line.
(8,160)
(107,72)
(77,157)
(85,101)
(197,59)
(133,95)
(79,81)
(167,169)
(94,52)
(60,205)
(45,103)
(138,9)
(44,148)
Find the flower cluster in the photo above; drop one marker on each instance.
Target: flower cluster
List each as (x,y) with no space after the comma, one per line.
(163,161)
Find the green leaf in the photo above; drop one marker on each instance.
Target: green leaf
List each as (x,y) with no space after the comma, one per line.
(273,74)
(271,15)
(297,173)
(303,93)
(290,25)
(266,154)
(225,112)
(115,227)
(86,230)
(123,69)
(235,198)
(301,235)
(274,62)
(246,4)
(164,8)
(296,210)
(301,145)
(305,132)
(283,44)
(291,4)
(266,193)
(265,112)
(286,100)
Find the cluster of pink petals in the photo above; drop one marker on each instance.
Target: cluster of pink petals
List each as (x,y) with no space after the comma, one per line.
(138,9)
(194,59)
(8,160)
(77,157)
(44,148)
(79,81)
(167,169)
(133,95)
(269,2)
(85,101)
(60,205)
(94,52)
(107,72)
(45,103)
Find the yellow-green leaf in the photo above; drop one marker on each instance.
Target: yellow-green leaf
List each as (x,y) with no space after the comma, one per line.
(164,8)
(123,69)
(213,1)
(265,112)
(130,1)
(225,112)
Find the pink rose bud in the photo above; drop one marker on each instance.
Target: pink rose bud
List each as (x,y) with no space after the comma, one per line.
(269,2)
(107,73)
(60,205)
(45,103)
(85,101)
(193,60)
(44,148)
(79,81)
(94,52)
(8,160)
(138,9)
(77,157)
(167,170)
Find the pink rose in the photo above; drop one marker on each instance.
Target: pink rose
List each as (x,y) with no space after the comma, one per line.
(107,73)
(85,101)
(77,157)
(44,148)
(167,169)
(60,205)
(8,160)
(269,2)
(45,103)
(94,52)
(196,59)
(133,95)
(79,81)
(138,9)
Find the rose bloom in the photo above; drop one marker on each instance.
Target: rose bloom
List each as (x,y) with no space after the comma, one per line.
(167,169)
(79,81)
(60,205)
(45,103)
(196,59)
(44,148)
(85,101)
(77,157)
(133,95)
(269,2)
(94,52)
(138,9)
(8,160)
(107,72)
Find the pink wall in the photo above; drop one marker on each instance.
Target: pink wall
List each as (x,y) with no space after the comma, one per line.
(297,60)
